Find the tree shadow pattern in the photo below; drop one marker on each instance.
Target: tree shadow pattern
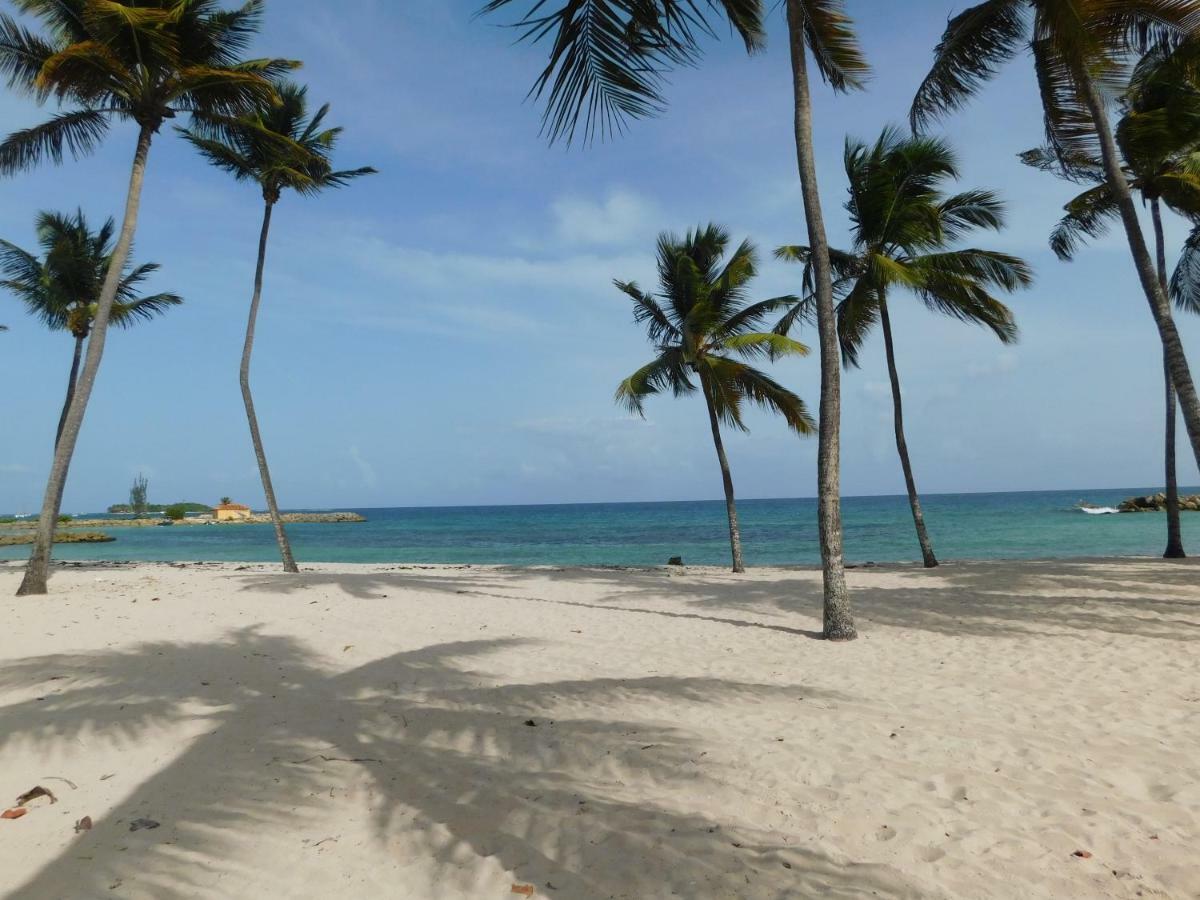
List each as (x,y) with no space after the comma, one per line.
(455,776)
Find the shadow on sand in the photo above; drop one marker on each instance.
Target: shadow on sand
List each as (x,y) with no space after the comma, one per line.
(456,779)
(1143,597)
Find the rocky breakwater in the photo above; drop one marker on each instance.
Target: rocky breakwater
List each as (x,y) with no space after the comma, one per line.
(262,518)
(1158,503)
(61,537)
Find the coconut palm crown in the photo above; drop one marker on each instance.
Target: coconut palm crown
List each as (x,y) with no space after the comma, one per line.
(62,287)
(276,145)
(904,228)
(144,61)
(705,331)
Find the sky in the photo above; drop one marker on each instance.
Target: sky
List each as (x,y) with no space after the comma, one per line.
(447,333)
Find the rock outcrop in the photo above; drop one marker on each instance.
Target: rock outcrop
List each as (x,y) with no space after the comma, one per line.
(1158,503)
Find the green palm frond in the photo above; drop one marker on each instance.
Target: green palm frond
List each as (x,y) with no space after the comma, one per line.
(61,287)
(829,35)
(1088,216)
(668,372)
(1185,282)
(1069,42)
(277,145)
(1077,167)
(904,227)
(137,60)
(702,313)
(857,315)
(732,383)
(143,309)
(976,43)
(78,133)
(767,345)
(609,59)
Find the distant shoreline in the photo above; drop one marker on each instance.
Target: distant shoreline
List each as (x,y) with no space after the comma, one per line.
(155,521)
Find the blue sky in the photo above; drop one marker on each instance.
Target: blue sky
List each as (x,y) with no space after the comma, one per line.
(446,332)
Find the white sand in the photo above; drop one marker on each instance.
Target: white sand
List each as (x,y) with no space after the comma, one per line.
(358,732)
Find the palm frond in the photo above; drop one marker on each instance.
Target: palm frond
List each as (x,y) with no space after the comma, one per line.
(144,309)
(829,35)
(1088,216)
(972,49)
(22,54)
(78,133)
(768,345)
(667,372)
(609,59)
(1185,282)
(734,382)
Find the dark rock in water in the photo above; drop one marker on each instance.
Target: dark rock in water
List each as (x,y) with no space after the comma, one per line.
(675,561)
(1158,503)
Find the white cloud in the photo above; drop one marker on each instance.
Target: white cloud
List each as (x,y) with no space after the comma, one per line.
(622,218)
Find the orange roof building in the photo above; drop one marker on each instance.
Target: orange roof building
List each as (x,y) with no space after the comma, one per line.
(231,512)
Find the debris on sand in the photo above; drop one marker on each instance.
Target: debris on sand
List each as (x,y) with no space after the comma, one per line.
(34,793)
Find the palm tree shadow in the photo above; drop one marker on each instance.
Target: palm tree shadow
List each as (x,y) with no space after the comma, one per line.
(452,775)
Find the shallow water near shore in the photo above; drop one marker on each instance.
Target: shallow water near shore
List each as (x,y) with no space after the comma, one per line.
(1023,525)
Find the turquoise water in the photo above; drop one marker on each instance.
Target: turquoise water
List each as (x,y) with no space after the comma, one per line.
(774,532)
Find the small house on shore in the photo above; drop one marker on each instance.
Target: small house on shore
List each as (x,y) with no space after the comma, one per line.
(231,512)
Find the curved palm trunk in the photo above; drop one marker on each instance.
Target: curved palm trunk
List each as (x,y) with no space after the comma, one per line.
(1174,531)
(62,419)
(285,547)
(38,569)
(1160,306)
(838,620)
(901,444)
(735,535)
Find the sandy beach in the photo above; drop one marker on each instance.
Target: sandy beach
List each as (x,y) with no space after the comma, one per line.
(450,732)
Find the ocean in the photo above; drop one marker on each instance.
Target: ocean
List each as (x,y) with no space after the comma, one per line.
(1033,524)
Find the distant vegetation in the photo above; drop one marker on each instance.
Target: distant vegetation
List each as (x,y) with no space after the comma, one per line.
(159,508)
(138,494)
(175,511)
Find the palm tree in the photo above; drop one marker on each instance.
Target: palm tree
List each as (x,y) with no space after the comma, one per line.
(608,64)
(1080,50)
(278,146)
(138,61)
(1159,140)
(62,289)
(903,228)
(706,318)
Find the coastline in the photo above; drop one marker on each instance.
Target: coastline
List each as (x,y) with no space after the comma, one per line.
(359,727)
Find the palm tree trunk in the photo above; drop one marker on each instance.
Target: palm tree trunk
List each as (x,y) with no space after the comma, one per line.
(735,535)
(838,620)
(910,482)
(62,419)
(37,572)
(1174,531)
(285,547)
(1160,306)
